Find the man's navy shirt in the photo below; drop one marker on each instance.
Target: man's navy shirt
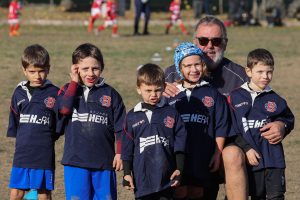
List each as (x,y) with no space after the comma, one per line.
(150,140)
(206,116)
(251,111)
(94,119)
(226,77)
(32,121)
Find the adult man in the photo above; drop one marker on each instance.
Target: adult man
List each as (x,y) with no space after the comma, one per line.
(211,36)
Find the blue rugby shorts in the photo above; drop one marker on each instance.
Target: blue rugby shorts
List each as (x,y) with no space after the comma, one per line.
(84,183)
(26,178)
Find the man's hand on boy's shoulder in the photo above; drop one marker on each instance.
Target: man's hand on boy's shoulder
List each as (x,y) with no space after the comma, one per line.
(171,90)
(74,73)
(175,178)
(273,132)
(117,163)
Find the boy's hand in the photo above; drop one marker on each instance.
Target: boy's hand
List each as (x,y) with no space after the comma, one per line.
(170,90)
(273,132)
(117,163)
(74,73)
(215,161)
(252,157)
(175,178)
(128,182)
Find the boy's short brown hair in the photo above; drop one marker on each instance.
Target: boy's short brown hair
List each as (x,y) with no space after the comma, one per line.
(37,56)
(87,50)
(259,55)
(150,74)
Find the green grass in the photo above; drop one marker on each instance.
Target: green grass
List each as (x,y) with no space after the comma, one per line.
(122,56)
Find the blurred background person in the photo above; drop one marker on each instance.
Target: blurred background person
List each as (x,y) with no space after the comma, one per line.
(13,18)
(141,6)
(175,17)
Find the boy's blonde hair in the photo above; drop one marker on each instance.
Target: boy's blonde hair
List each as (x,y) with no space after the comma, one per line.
(150,74)
(37,56)
(259,55)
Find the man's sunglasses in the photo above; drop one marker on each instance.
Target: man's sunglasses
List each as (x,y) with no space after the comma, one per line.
(203,41)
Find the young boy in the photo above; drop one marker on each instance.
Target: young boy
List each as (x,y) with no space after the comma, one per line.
(93,113)
(206,117)
(32,122)
(13,18)
(110,18)
(154,140)
(253,105)
(175,17)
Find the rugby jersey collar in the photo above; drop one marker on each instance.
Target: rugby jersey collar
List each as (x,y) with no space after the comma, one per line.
(200,84)
(22,84)
(246,87)
(138,107)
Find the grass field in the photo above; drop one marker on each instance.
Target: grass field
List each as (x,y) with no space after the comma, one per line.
(122,56)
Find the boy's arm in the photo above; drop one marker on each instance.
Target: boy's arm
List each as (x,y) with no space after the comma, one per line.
(127,154)
(66,96)
(216,159)
(119,113)
(14,117)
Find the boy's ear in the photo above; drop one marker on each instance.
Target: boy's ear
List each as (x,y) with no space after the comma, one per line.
(138,90)
(248,72)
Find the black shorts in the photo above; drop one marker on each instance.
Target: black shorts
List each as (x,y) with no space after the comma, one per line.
(267,182)
(161,195)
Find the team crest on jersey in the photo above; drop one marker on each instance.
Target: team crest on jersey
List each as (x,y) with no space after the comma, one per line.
(49,102)
(169,122)
(208,101)
(105,101)
(271,106)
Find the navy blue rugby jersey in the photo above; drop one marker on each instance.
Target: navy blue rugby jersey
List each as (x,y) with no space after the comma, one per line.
(150,140)
(206,116)
(93,120)
(32,121)
(250,112)
(225,78)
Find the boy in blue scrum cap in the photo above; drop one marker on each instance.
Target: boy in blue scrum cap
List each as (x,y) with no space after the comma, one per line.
(153,142)
(253,106)
(206,118)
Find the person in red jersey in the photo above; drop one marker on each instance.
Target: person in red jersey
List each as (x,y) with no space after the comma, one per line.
(13,18)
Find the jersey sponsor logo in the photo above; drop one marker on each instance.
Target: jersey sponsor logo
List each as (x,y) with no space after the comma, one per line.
(208,101)
(138,123)
(49,102)
(251,123)
(169,122)
(152,140)
(105,100)
(90,117)
(245,103)
(197,118)
(271,106)
(34,119)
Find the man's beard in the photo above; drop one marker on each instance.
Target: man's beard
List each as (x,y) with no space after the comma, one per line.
(214,63)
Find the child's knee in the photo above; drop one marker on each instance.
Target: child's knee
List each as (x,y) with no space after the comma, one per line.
(44,194)
(275,196)
(195,192)
(16,194)
(180,192)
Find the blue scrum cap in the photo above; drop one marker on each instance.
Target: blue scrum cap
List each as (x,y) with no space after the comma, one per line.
(183,50)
